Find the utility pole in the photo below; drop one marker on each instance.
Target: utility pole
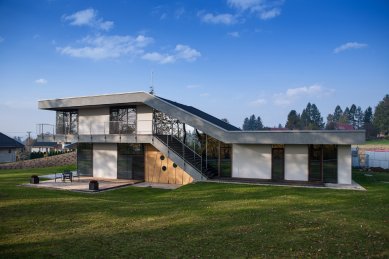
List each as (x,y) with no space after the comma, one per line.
(29,141)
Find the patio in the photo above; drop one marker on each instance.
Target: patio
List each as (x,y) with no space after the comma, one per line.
(82,185)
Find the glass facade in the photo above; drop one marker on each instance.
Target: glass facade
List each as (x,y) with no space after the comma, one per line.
(218,157)
(323,163)
(131,161)
(122,120)
(67,122)
(278,164)
(85,159)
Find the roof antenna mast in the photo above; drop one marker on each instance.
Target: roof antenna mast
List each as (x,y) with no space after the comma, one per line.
(152,83)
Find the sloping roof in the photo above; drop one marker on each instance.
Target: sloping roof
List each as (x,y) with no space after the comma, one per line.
(44,144)
(7,142)
(207,123)
(203,115)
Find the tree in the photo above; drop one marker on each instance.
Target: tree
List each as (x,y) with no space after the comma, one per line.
(345,117)
(225,120)
(252,123)
(330,125)
(337,114)
(368,116)
(381,115)
(351,115)
(311,118)
(359,118)
(293,121)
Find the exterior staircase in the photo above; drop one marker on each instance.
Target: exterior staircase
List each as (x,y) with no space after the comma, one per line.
(185,157)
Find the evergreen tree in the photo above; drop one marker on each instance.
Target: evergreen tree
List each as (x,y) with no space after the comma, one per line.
(337,114)
(351,115)
(381,115)
(225,120)
(345,117)
(368,117)
(293,121)
(330,125)
(311,118)
(359,118)
(252,123)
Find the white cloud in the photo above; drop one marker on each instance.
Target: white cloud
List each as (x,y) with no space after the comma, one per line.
(181,52)
(179,12)
(1,39)
(258,102)
(193,86)
(88,17)
(234,34)
(294,94)
(103,47)
(41,81)
(264,9)
(350,45)
(204,94)
(225,18)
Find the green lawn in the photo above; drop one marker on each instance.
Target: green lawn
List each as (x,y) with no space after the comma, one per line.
(197,220)
(377,142)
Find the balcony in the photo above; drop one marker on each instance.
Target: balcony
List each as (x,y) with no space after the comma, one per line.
(97,132)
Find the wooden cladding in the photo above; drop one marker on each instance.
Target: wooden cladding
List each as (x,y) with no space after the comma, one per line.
(154,166)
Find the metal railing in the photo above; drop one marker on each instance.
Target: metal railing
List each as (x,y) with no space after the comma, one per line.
(96,128)
(182,150)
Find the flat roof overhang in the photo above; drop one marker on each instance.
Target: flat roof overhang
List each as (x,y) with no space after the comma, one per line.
(298,137)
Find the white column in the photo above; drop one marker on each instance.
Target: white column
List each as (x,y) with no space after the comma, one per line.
(251,161)
(344,164)
(296,162)
(105,160)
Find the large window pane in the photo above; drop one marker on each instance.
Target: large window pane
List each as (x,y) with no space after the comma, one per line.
(85,159)
(67,122)
(278,161)
(122,120)
(315,163)
(225,160)
(131,161)
(330,164)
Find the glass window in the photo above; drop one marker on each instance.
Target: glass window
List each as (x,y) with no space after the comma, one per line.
(122,120)
(225,160)
(131,161)
(330,163)
(323,163)
(67,122)
(85,159)
(278,162)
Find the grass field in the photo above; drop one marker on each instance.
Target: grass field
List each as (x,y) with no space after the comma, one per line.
(197,220)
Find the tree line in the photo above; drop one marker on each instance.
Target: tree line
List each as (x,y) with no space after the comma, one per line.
(310,119)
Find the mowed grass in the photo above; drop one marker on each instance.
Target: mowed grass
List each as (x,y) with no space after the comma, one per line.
(197,220)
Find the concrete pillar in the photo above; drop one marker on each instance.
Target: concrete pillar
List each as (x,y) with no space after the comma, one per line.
(344,164)
(105,160)
(296,162)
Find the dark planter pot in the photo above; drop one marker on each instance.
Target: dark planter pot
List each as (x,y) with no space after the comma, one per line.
(94,185)
(34,179)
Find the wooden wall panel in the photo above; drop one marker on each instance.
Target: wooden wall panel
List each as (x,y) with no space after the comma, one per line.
(154,172)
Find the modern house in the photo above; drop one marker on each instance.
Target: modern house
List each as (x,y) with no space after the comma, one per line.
(9,148)
(142,136)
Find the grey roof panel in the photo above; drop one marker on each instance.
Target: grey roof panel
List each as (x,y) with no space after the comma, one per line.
(203,115)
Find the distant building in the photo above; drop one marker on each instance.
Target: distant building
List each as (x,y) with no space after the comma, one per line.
(9,148)
(343,126)
(45,147)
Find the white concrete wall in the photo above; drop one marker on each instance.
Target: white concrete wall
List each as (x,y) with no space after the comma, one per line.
(5,156)
(251,161)
(296,162)
(144,119)
(105,160)
(93,120)
(344,164)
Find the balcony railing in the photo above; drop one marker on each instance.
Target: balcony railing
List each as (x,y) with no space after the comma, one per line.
(96,128)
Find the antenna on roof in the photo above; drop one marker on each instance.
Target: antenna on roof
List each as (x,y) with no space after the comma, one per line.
(152,83)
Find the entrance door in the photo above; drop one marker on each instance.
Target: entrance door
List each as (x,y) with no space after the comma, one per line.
(278,164)
(315,163)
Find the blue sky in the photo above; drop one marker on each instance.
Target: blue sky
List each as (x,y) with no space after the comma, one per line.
(232,58)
